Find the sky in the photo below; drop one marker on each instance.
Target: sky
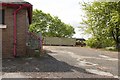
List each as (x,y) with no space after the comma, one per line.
(69,11)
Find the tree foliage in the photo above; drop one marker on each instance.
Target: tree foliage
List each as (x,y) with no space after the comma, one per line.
(50,26)
(103,22)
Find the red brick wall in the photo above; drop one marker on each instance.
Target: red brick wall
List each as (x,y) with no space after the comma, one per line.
(7,38)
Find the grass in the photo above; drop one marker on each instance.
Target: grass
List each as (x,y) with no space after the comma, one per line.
(110,48)
(106,49)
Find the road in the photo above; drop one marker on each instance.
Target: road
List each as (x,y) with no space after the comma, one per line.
(94,61)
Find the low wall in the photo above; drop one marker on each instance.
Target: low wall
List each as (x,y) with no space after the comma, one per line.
(59,41)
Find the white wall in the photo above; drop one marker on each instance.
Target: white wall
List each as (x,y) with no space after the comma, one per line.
(0,53)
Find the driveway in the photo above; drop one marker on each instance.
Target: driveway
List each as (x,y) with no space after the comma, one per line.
(94,61)
(63,62)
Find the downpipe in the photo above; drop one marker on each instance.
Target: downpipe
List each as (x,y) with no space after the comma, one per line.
(15,30)
(15,26)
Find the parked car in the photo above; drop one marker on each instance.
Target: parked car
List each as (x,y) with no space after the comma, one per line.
(80,42)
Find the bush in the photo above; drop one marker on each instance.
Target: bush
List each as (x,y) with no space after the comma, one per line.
(111,48)
(93,43)
(102,43)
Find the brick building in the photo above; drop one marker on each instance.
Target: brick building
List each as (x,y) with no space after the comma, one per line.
(15,17)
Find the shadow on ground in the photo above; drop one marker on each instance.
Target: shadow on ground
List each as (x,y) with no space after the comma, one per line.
(45,63)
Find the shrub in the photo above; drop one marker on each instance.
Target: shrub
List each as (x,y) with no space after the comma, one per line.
(102,43)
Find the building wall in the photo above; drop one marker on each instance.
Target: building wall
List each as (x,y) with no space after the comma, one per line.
(8,38)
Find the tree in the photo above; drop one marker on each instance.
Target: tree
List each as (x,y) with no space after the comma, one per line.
(50,26)
(103,22)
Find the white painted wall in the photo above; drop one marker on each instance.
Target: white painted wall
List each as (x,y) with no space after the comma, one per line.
(0,53)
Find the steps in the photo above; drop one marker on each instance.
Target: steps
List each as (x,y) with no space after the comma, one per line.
(34,44)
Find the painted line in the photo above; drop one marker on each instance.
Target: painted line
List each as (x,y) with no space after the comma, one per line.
(103,57)
(108,58)
(81,61)
(99,72)
(14,75)
(102,73)
(85,63)
(115,76)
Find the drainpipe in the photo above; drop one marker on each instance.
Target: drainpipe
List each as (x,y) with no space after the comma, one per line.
(15,26)
(15,30)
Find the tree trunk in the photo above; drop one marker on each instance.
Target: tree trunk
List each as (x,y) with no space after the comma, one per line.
(117,39)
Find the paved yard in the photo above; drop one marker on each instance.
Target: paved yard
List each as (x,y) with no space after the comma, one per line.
(95,61)
(64,62)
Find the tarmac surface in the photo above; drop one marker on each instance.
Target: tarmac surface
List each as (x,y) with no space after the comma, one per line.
(64,62)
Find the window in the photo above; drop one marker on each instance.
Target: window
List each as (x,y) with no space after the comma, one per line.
(2,16)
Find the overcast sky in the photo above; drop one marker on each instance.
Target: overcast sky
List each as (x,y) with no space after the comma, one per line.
(69,11)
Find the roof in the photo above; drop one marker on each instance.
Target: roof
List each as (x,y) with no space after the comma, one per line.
(17,3)
(81,39)
(13,1)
